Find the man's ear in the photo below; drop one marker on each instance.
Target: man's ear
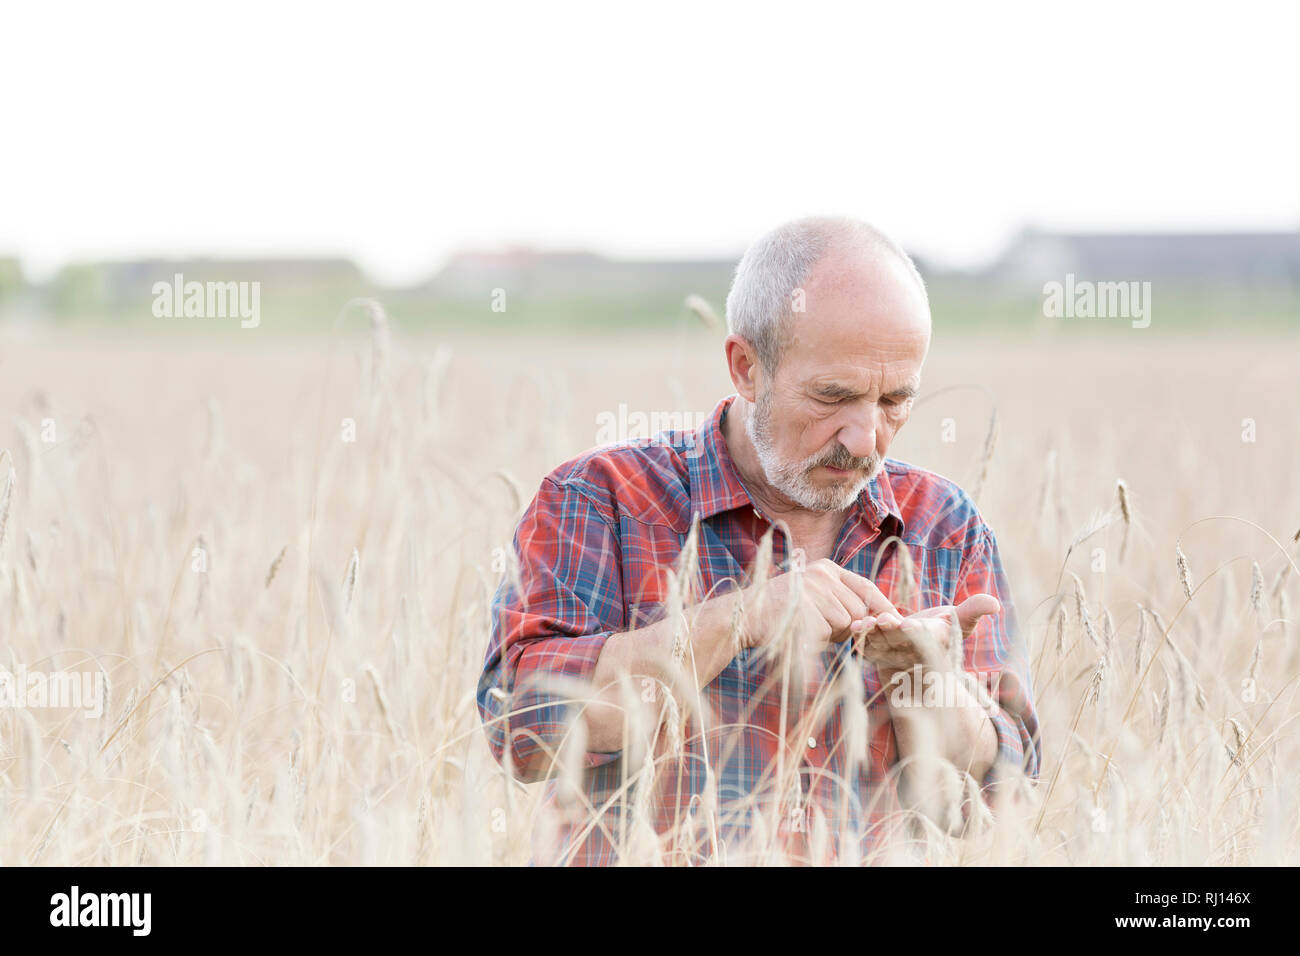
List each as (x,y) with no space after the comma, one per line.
(742,364)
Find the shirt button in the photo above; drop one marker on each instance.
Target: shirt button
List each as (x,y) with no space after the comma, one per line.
(812,742)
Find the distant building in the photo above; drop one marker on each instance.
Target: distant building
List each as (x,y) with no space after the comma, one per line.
(1247,257)
(536,273)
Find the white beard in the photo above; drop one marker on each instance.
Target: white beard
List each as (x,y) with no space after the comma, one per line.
(793,479)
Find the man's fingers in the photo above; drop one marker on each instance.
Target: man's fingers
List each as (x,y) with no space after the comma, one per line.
(891,635)
(890,639)
(850,600)
(942,610)
(968,612)
(975,607)
(871,595)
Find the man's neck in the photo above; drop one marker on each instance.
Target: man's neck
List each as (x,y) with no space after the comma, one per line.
(770,502)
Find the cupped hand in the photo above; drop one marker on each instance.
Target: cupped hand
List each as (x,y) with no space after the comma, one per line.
(896,643)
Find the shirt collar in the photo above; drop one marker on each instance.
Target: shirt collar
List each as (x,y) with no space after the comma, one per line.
(716,485)
(715,482)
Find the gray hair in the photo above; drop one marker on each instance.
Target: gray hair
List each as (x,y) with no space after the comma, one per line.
(760,304)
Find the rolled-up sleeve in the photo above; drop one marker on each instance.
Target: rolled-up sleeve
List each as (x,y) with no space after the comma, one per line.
(996,653)
(551,616)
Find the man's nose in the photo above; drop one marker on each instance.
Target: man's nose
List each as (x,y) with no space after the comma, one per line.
(859,436)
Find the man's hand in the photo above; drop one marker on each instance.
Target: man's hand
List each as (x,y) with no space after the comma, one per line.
(894,643)
(929,738)
(831,600)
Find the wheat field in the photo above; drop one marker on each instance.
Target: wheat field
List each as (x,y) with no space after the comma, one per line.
(279,553)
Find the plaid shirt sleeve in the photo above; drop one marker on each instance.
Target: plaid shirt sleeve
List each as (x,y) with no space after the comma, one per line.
(549,625)
(996,652)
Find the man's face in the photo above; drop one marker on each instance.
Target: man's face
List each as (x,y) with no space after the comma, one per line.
(823,423)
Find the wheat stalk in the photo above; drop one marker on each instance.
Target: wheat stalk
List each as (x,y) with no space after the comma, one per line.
(705,312)
(350,580)
(1184,575)
(1256,589)
(275,566)
(6,496)
(986,454)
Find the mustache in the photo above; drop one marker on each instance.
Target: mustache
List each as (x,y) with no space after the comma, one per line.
(840,458)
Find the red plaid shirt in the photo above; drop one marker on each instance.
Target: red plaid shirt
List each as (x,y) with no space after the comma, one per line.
(592,549)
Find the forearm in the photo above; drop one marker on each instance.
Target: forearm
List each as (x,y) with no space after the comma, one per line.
(647,654)
(963,731)
(970,731)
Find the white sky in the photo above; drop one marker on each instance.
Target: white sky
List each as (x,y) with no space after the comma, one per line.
(396,134)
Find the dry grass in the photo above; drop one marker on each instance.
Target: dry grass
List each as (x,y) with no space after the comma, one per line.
(308,698)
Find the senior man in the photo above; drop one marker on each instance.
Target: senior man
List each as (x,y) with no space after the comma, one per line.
(765,588)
